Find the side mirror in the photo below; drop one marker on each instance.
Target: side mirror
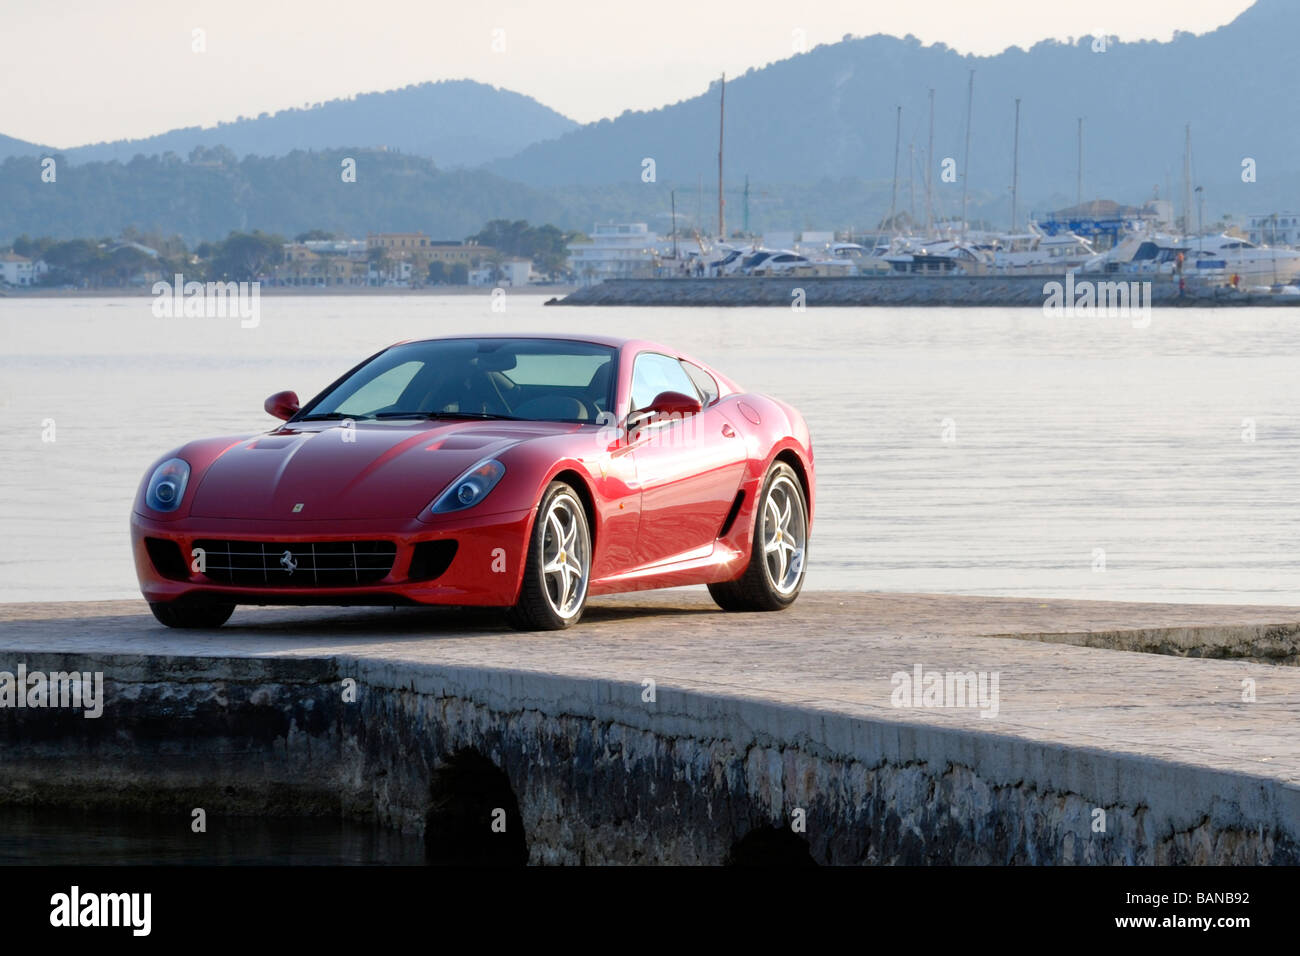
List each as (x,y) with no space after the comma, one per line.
(282,405)
(666,407)
(674,403)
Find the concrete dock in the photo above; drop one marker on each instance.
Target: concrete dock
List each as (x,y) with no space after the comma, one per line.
(662,730)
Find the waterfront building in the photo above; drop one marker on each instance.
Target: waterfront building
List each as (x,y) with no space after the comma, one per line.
(1275,229)
(20,270)
(615,250)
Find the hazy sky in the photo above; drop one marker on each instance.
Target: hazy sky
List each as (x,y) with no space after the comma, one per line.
(78,71)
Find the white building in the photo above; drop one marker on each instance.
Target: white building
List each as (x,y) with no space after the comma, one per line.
(516,272)
(1275,229)
(398,273)
(508,273)
(615,250)
(19,270)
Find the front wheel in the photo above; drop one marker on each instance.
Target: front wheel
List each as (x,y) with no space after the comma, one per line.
(778,555)
(189,616)
(558,569)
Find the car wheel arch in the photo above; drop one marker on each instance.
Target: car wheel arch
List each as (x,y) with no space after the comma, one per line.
(793,459)
(579,483)
(786,453)
(568,473)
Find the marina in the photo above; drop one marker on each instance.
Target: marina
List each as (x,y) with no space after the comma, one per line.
(1171,251)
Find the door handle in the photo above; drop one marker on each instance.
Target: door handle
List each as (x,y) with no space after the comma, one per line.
(728,431)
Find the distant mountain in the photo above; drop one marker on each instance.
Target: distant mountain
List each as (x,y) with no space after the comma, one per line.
(215,193)
(814,134)
(17,147)
(454,123)
(831,113)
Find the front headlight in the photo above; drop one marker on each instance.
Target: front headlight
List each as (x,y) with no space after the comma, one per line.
(167,485)
(470,488)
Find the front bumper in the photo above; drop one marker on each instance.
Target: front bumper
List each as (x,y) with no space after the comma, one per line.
(486,569)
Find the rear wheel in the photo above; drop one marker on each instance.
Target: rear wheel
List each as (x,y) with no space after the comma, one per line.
(778,555)
(558,569)
(178,614)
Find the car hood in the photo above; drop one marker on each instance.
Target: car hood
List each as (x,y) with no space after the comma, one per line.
(390,470)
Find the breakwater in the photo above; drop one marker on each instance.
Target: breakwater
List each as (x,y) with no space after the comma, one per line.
(895,291)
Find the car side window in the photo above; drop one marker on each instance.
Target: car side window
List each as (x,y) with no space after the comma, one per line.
(704,383)
(654,373)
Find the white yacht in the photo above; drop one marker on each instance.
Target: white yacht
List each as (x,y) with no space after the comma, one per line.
(938,257)
(1037,252)
(1214,258)
(858,259)
(1122,256)
(1228,256)
(729,261)
(771,262)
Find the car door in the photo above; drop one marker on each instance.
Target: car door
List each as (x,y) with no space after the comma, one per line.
(688,469)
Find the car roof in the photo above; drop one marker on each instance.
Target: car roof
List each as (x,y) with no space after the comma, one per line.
(610,341)
(607,340)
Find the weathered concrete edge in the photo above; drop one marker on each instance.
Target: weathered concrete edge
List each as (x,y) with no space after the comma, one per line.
(1112,776)
(1264,643)
(493,709)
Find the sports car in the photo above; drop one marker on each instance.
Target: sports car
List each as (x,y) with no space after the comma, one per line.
(522,472)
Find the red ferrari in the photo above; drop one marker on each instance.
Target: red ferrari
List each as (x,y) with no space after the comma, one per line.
(521,472)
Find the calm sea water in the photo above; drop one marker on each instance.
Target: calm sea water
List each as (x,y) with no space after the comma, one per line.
(53,837)
(961,451)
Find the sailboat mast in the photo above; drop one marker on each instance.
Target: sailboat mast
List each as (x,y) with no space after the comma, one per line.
(1187,181)
(1015,169)
(911,185)
(722,118)
(929,173)
(673,195)
(965,164)
(1078,194)
(893,196)
(746,225)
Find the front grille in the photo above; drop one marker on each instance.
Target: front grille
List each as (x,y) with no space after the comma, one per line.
(297,564)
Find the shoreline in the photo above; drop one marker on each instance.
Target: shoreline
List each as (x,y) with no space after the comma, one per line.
(143,292)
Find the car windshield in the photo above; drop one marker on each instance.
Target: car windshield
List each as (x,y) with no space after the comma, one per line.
(520,379)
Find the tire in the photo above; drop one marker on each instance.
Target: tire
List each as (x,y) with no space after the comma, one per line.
(187,616)
(763,587)
(550,600)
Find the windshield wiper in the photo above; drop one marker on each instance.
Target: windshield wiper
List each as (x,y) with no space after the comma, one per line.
(379,416)
(486,416)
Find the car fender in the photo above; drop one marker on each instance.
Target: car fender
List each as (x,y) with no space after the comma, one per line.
(199,455)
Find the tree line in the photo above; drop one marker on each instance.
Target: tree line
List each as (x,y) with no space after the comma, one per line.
(244,256)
